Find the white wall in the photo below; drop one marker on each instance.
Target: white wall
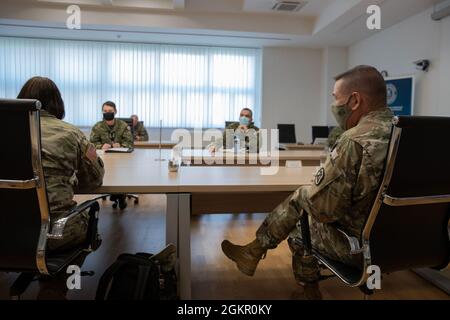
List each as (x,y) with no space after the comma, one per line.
(291,89)
(394,50)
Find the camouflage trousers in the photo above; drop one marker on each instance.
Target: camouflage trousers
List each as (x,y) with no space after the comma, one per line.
(74,233)
(283,222)
(55,287)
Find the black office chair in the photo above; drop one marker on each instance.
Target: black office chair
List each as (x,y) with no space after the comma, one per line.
(25,223)
(287,133)
(320,132)
(407,227)
(128,121)
(120,200)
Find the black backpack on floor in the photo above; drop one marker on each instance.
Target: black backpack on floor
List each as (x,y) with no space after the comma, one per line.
(136,277)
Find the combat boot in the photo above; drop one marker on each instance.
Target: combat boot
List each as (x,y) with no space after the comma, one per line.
(312,291)
(307,276)
(307,291)
(246,257)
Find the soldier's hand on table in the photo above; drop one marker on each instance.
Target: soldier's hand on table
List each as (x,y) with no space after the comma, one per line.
(116,145)
(91,153)
(212,149)
(138,138)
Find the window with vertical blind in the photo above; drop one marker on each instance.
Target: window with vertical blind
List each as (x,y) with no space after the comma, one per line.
(182,86)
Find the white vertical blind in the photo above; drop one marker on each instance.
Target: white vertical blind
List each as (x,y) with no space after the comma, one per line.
(184,86)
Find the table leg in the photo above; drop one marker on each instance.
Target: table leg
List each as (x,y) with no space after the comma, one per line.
(172,219)
(184,242)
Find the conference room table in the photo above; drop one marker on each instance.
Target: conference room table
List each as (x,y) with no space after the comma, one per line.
(295,146)
(196,190)
(154,144)
(171,144)
(202,157)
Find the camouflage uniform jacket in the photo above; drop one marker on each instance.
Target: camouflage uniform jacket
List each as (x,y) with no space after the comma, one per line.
(119,133)
(345,187)
(251,137)
(139,130)
(66,169)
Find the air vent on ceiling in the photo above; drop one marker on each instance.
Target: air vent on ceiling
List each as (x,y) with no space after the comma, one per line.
(289,6)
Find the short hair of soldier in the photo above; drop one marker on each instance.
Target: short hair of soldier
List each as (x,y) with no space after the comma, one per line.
(367,80)
(249,110)
(46,91)
(110,104)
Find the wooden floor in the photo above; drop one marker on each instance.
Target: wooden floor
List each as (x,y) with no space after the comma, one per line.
(142,228)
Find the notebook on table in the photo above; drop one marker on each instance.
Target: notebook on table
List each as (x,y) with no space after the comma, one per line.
(119,150)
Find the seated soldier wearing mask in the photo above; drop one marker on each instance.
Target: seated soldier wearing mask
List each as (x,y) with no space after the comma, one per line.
(343,190)
(245,130)
(139,131)
(111,132)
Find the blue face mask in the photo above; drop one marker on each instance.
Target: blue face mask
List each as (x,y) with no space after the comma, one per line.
(244,121)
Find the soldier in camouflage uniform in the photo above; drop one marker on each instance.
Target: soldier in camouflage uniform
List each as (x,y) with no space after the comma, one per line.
(70,163)
(343,190)
(139,131)
(111,132)
(245,130)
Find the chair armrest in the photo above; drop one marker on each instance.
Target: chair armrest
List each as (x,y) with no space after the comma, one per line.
(59,225)
(355,247)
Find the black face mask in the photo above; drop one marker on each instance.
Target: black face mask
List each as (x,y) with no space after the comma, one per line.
(108,116)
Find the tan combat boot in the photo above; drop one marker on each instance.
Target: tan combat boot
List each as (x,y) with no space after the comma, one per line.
(307,291)
(311,291)
(307,276)
(246,257)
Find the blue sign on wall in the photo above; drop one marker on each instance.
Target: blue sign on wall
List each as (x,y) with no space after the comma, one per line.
(400,94)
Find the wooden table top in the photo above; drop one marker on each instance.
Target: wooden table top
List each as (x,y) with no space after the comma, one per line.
(199,155)
(294,146)
(142,172)
(243,179)
(154,145)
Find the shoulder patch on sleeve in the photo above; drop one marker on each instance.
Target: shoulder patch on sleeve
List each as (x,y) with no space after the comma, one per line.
(320,175)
